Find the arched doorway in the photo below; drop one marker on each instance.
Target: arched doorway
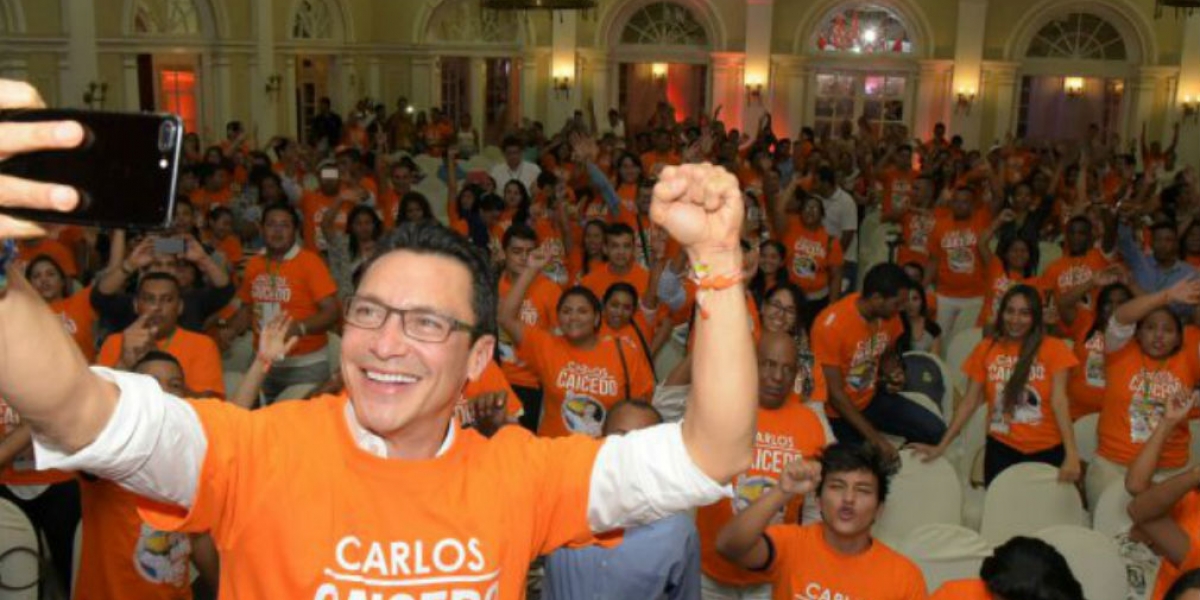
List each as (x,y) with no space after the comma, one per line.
(173,72)
(317,30)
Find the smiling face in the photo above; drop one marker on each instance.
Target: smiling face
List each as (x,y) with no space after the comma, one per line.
(577,318)
(769,259)
(396,382)
(779,312)
(1158,334)
(1017,317)
(618,310)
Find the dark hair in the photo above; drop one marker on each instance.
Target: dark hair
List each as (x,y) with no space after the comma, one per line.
(618,229)
(510,141)
(826,175)
(1163,224)
(1015,386)
(1174,317)
(518,231)
(217,212)
(843,457)
(417,198)
(759,286)
(1102,298)
(1189,580)
(905,341)
(547,179)
(46,258)
(432,239)
(1025,568)
(283,207)
(159,276)
(620,287)
(376,227)
(887,280)
(587,258)
(157,356)
(633,404)
(1007,243)
(522,214)
(582,292)
(637,162)
(803,319)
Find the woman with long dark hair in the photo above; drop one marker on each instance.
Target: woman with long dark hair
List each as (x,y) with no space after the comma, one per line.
(348,250)
(1086,386)
(1021,374)
(771,270)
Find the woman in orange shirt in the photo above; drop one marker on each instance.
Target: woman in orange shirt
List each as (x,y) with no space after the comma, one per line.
(517,203)
(630,319)
(584,257)
(1021,373)
(1015,266)
(581,372)
(629,173)
(52,283)
(771,271)
(814,257)
(1086,386)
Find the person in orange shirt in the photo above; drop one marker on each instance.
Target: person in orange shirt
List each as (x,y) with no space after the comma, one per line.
(849,338)
(898,181)
(1086,387)
(787,431)
(315,203)
(1082,262)
(581,373)
(1011,264)
(814,257)
(28,250)
(75,309)
(538,308)
(1023,568)
(288,278)
(399,181)
(215,187)
(1141,379)
(224,240)
(785,311)
(1021,374)
(916,223)
(158,306)
(588,255)
(619,248)
(954,248)
(829,559)
(663,153)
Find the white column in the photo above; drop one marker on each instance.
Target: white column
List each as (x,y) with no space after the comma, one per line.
(728,87)
(80,66)
(426,83)
(758,58)
(129,83)
(968,62)
(264,106)
(598,73)
(1001,78)
(1149,83)
(375,80)
(288,96)
(530,107)
(477,92)
(933,105)
(1189,87)
(787,98)
(563,64)
(224,92)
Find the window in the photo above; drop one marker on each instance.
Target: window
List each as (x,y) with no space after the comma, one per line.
(313,20)
(178,95)
(1078,36)
(501,98)
(863,29)
(664,24)
(843,97)
(463,21)
(166,17)
(456,72)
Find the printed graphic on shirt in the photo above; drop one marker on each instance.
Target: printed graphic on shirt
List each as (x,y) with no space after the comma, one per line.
(960,250)
(508,350)
(162,558)
(446,568)
(583,414)
(1094,367)
(1028,409)
(1075,276)
(922,227)
(556,268)
(1149,391)
(805,253)
(270,293)
(772,454)
(863,366)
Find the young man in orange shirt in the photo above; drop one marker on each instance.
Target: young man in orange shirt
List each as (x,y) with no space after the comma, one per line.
(621,266)
(333,483)
(836,558)
(315,203)
(158,305)
(288,278)
(786,431)
(954,248)
(849,338)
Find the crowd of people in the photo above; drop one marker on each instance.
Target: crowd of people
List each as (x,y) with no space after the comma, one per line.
(614,323)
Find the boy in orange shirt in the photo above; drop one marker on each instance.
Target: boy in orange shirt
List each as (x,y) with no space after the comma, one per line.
(954,247)
(158,305)
(787,430)
(836,558)
(314,204)
(622,266)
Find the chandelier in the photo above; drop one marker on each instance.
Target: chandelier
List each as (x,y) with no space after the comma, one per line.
(1181,6)
(538,4)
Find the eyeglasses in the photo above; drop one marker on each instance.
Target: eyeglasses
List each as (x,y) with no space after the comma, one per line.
(418,323)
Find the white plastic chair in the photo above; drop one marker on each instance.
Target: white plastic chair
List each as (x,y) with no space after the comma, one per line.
(19,559)
(966,318)
(946,402)
(921,493)
(924,402)
(1085,436)
(1110,516)
(944,552)
(1094,559)
(435,192)
(494,153)
(1194,446)
(1048,252)
(960,347)
(1026,498)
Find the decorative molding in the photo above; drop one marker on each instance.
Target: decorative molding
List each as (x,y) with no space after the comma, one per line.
(1138,33)
(910,12)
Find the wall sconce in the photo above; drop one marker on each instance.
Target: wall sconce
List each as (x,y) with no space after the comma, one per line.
(274,84)
(562,86)
(1073,86)
(754,90)
(966,97)
(1191,108)
(659,72)
(95,95)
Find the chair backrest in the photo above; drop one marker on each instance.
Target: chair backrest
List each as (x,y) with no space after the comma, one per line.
(944,552)
(1048,252)
(493,153)
(921,493)
(1026,498)
(928,374)
(1085,436)
(924,402)
(1094,558)
(960,347)
(966,318)
(1194,447)
(1110,516)
(20,571)
(970,443)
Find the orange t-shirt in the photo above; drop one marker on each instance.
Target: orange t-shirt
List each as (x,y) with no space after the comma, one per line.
(578,385)
(806,566)
(915,229)
(602,277)
(1032,426)
(1086,385)
(23,470)
(122,557)
(490,381)
(842,338)
(783,435)
(231,249)
(295,285)
(639,333)
(1071,271)
(810,255)
(1134,401)
(652,158)
(954,245)
(550,238)
(897,188)
(297,510)
(313,206)
(205,200)
(998,283)
(539,309)
(27,251)
(963,589)
(196,353)
(79,318)
(1186,514)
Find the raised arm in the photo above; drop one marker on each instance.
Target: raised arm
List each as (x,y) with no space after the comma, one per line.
(509,313)
(274,343)
(741,541)
(1140,475)
(1151,513)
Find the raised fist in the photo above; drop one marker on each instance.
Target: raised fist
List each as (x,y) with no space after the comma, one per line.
(700,206)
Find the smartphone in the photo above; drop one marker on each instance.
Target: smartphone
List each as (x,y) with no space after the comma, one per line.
(171,245)
(125,171)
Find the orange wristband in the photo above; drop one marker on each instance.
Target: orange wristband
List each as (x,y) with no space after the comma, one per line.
(706,283)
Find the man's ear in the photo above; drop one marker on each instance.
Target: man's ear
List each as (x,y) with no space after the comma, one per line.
(481,352)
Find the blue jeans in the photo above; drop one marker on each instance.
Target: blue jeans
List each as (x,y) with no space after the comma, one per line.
(895,415)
